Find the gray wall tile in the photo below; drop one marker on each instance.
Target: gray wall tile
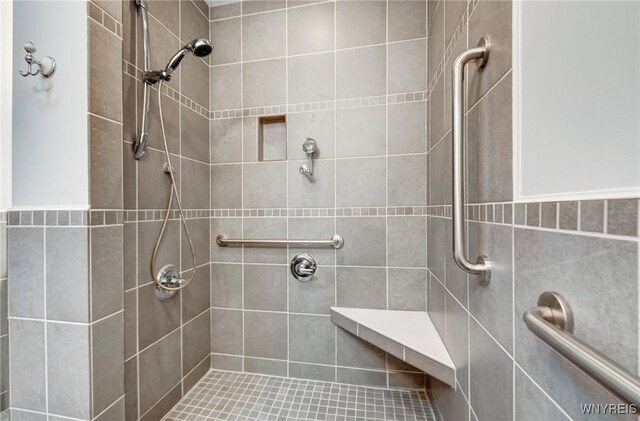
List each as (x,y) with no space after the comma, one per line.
(407,126)
(362,377)
(531,403)
(26,271)
(227,35)
(196,342)
(264,83)
(265,334)
(312,339)
(366,241)
(159,370)
(268,367)
(353,189)
(407,289)
(226,285)
(108,362)
(226,186)
(68,274)
(354,352)
(28,373)
(265,287)
(155,318)
(622,217)
(195,299)
(360,132)
(592,215)
(264,35)
(106,271)
(319,17)
(407,241)
(312,371)
(406,20)
(487,360)
(226,82)
(311,78)
(226,331)
(361,72)
(68,370)
(489,147)
(226,140)
(407,66)
(265,185)
(360,23)
(361,287)
(492,305)
(406,180)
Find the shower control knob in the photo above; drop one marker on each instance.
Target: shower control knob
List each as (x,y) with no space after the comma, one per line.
(303,267)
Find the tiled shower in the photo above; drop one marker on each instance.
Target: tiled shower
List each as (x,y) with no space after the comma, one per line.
(83,335)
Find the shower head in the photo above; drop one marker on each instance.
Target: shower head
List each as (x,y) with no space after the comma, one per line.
(199,47)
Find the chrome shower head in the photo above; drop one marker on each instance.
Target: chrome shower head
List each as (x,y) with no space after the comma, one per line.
(199,47)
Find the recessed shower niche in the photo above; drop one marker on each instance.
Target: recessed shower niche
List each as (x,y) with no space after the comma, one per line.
(272,138)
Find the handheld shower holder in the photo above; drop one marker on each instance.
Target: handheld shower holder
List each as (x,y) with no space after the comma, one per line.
(309,147)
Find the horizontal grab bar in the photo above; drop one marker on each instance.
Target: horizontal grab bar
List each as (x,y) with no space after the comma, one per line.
(552,321)
(336,242)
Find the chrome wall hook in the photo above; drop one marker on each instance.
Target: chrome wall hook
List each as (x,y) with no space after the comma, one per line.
(46,66)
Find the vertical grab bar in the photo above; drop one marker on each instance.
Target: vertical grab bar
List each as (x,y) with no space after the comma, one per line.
(482,267)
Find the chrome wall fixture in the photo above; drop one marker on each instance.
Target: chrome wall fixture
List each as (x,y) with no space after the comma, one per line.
(309,147)
(552,321)
(336,242)
(482,266)
(199,47)
(46,66)
(303,267)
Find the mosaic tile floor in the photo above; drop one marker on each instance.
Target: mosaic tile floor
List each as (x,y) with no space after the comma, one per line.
(223,395)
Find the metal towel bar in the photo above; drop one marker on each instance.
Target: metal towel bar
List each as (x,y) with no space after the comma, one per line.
(552,321)
(336,242)
(482,267)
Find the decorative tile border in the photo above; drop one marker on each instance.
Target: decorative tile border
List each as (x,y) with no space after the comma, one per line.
(604,216)
(104,19)
(131,70)
(321,106)
(448,51)
(48,218)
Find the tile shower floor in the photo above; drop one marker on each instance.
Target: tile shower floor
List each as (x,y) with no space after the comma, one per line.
(224,395)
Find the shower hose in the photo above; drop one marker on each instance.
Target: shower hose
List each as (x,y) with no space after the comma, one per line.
(174,190)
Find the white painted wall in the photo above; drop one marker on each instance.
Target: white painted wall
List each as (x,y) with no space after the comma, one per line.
(577,99)
(6,36)
(50,140)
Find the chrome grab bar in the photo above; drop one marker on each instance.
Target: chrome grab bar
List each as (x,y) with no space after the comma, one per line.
(482,267)
(336,242)
(552,321)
